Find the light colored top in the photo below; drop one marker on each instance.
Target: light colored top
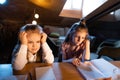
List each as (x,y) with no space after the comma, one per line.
(22,57)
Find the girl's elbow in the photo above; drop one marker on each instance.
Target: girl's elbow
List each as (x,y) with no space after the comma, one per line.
(50,60)
(18,67)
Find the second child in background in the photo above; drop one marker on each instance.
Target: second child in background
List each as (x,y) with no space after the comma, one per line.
(76,47)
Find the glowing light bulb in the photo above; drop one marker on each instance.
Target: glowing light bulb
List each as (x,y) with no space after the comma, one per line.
(36,16)
(34,22)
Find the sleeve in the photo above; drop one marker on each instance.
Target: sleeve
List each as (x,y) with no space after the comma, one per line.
(87,50)
(47,53)
(19,58)
(68,60)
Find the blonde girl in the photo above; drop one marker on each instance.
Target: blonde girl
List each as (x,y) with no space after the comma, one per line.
(31,47)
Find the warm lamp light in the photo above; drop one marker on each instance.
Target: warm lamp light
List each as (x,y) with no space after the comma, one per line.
(36,16)
(43,3)
(34,22)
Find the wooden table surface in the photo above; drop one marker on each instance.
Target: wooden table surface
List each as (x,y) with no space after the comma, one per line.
(63,71)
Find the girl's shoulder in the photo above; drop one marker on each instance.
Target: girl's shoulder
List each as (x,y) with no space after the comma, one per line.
(88,41)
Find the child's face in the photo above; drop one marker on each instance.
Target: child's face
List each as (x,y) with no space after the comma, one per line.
(79,37)
(33,42)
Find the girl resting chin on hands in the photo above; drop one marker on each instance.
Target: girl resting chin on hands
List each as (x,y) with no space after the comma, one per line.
(76,47)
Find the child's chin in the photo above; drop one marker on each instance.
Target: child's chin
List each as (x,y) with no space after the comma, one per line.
(34,52)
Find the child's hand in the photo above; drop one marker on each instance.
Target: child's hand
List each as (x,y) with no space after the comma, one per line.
(76,61)
(43,38)
(23,37)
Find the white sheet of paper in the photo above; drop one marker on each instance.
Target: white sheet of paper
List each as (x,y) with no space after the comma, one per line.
(45,73)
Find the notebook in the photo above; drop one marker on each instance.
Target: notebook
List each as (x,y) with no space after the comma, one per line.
(45,73)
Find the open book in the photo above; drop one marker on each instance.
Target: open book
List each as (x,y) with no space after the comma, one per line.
(98,69)
(44,73)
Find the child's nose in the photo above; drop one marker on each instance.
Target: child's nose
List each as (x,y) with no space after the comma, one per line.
(34,45)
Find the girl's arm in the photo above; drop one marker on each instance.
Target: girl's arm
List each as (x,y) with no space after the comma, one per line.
(76,61)
(47,53)
(87,50)
(20,52)
(19,58)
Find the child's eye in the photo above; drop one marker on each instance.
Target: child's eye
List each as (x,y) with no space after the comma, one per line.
(29,41)
(83,37)
(38,41)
